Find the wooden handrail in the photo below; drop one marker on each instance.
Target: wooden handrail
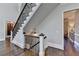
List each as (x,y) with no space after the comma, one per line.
(19,16)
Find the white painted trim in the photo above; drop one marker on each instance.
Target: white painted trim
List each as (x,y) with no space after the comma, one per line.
(54,45)
(70,39)
(41,53)
(18,44)
(41,46)
(5,29)
(76,34)
(76,43)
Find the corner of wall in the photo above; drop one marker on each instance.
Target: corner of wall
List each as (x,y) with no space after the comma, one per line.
(54,45)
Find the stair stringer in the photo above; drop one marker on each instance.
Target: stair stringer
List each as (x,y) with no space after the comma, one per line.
(19,39)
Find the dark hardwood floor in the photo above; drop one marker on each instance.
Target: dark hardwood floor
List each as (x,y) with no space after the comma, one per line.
(8,49)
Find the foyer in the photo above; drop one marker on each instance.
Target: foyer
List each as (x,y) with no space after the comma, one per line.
(37,29)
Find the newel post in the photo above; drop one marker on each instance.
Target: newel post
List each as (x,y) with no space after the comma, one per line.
(41,44)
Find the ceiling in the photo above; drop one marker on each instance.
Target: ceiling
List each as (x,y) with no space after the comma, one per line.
(43,11)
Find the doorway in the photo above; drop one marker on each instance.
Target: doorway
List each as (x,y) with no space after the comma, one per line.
(71,32)
(69,24)
(9,27)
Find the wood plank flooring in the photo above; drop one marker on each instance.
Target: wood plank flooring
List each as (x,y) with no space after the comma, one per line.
(8,49)
(70,49)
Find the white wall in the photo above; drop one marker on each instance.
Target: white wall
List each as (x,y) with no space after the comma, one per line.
(7,11)
(52,26)
(77,27)
(39,16)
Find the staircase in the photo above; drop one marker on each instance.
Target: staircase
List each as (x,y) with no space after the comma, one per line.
(17,36)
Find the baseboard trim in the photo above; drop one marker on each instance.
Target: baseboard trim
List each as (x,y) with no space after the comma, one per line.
(71,40)
(54,45)
(76,43)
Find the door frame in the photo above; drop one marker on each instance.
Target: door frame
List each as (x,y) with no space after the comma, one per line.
(5,27)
